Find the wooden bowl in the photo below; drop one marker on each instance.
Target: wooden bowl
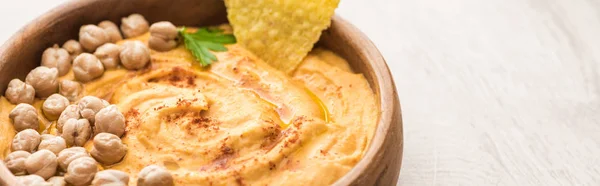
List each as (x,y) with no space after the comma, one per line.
(381,163)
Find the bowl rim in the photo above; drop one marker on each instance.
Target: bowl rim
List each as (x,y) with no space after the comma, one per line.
(386,88)
(387,96)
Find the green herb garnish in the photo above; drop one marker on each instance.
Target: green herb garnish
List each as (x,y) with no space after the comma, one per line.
(203,40)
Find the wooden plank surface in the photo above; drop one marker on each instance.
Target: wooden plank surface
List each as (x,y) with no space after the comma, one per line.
(493,92)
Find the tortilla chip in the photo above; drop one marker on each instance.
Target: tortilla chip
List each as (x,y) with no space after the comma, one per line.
(281,32)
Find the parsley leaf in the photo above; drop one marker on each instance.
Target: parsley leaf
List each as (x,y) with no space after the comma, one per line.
(203,40)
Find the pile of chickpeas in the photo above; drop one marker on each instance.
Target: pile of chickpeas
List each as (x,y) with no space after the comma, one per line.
(46,159)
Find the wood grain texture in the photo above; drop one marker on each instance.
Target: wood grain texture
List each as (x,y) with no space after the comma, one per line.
(493,92)
(380,166)
(381,162)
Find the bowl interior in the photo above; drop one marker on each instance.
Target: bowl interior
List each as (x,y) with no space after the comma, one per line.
(381,163)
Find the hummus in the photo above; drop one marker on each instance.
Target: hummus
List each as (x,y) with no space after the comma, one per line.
(238,122)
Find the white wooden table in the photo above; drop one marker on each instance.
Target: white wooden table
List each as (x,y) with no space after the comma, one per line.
(493,92)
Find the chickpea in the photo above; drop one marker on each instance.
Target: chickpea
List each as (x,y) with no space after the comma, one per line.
(162,36)
(154,175)
(110,120)
(54,105)
(92,36)
(87,67)
(43,163)
(70,89)
(135,55)
(52,143)
(71,112)
(76,132)
(19,92)
(24,116)
(44,80)
(15,162)
(111,177)
(26,140)
(105,103)
(66,156)
(73,47)
(32,180)
(134,25)
(109,55)
(89,106)
(108,148)
(57,181)
(55,57)
(81,171)
(112,30)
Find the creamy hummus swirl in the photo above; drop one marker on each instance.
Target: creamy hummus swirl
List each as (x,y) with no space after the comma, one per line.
(238,122)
